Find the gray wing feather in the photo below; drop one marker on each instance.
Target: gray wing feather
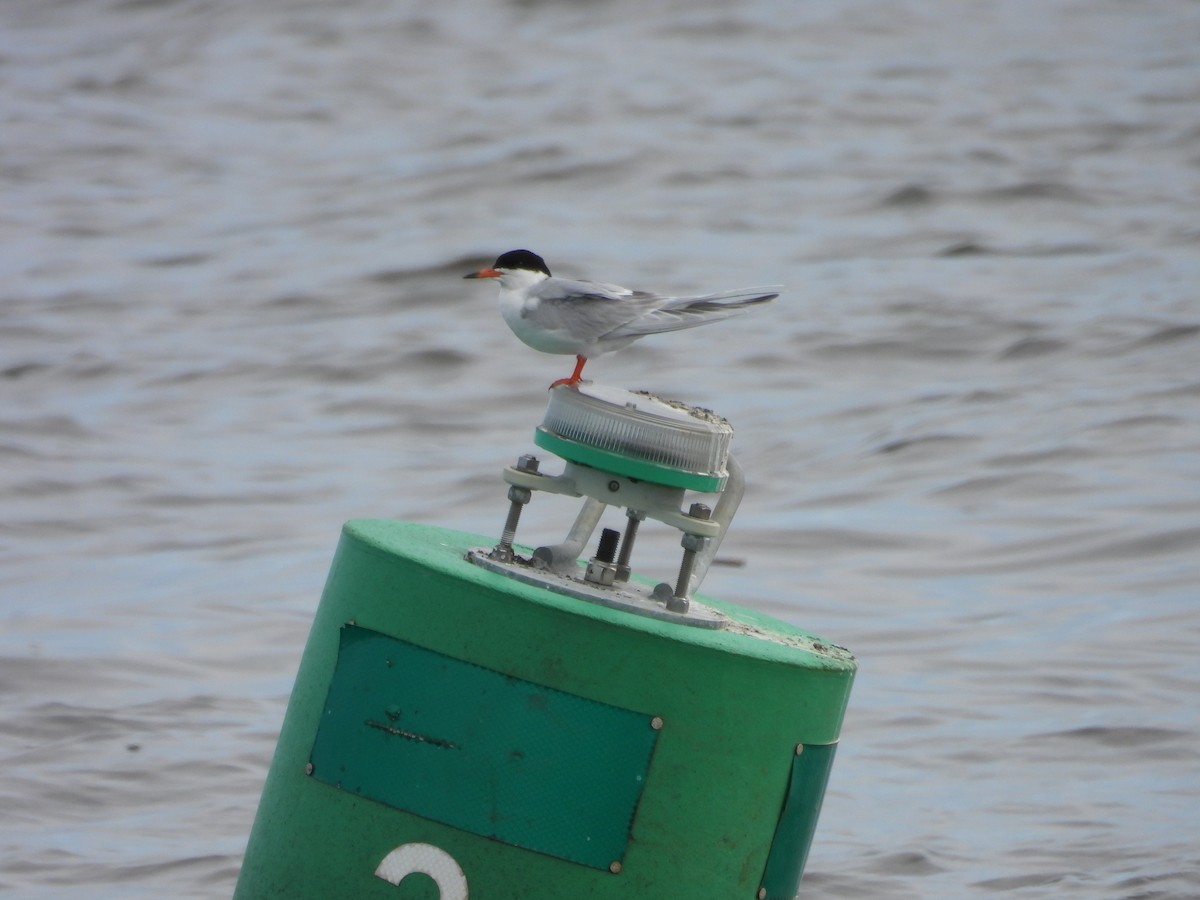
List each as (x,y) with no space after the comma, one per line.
(687,312)
(592,311)
(589,310)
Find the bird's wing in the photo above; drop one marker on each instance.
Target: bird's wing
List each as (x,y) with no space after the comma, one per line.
(589,310)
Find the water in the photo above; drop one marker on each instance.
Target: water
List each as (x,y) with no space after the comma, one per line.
(231,317)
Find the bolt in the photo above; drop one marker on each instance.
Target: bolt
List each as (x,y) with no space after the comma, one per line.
(656,723)
(518,496)
(691,544)
(608,545)
(631,529)
(600,569)
(615,867)
(527,463)
(699,511)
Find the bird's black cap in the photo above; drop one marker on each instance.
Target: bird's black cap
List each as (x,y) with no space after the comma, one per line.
(521,259)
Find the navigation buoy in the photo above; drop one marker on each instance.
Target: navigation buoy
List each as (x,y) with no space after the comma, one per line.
(476,718)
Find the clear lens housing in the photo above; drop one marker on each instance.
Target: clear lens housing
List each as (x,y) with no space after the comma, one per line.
(641,426)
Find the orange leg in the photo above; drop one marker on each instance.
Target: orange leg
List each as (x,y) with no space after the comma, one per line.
(576,376)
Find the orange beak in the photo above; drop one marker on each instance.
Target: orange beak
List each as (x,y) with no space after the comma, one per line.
(485,273)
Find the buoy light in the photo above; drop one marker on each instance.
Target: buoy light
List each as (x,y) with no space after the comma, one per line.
(641,452)
(639,435)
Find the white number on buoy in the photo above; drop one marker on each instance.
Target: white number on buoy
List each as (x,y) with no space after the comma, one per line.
(429,860)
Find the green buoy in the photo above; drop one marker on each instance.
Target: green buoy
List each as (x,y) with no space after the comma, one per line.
(493,722)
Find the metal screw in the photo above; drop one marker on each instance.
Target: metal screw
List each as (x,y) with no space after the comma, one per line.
(527,463)
(608,545)
(600,568)
(762,894)
(799,749)
(308,768)
(519,497)
(631,529)
(656,723)
(692,543)
(615,867)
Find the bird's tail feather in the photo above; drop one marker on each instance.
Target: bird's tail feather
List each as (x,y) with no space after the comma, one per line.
(727,299)
(688,312)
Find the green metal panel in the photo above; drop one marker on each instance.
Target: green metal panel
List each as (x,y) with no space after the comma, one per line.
(424,732)
(798,822)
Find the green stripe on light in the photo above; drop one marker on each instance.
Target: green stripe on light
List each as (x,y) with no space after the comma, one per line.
(619,464)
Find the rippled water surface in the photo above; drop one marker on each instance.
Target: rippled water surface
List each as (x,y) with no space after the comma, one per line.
(231,317)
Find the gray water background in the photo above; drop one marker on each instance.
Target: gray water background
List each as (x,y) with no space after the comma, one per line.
(231,318)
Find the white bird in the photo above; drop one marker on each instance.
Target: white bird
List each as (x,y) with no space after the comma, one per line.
(587,318)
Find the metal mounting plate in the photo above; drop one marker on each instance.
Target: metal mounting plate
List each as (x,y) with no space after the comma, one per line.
(629,596)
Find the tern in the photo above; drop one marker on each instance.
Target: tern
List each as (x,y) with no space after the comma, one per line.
(589,318)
